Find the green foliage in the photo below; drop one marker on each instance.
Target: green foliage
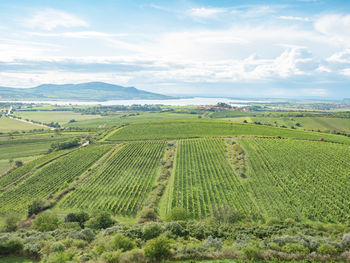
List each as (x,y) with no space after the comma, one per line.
(151,230)
(123,243)
(11,222)
(123,182)
(100,220)
(36,206)
(252,252)
(11,246)
(79,217)
(295,248)
(111,256)
(45,222)
(65,145)
(133,256)
(327,249)
(178,214)
(158,249)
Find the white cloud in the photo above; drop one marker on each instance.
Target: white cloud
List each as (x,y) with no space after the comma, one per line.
(203,12)
(49,19)
(336,27)
(79,34)
(295,18)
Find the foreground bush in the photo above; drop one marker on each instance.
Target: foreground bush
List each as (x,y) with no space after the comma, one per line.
(45,222)
(158,249)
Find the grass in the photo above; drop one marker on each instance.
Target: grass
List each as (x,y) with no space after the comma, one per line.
(62,117)
(129,118)
(17,260)
(212,128)
(11,125)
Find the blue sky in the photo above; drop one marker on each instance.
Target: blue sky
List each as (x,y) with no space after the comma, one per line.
(298,48)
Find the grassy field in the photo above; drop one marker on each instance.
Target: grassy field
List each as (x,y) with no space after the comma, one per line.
(17,260)
(123,182)
(210,128)
(62,117)
(129,118)
(303,180)
(11,125)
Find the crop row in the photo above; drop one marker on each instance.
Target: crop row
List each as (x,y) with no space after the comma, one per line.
(51,178)
(123,182)
(205,181)
(299,179)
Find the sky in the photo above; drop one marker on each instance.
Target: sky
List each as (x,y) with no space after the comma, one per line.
(286,48)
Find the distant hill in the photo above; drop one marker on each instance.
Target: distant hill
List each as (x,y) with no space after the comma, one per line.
(91,91)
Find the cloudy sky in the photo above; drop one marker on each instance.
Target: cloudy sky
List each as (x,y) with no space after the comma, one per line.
(291,48)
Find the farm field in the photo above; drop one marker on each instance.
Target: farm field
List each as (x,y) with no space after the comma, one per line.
(129,118)
(122,183)
(62,117)
(204,180)
(11,125)
(206,128)
(50,178)
(303,180)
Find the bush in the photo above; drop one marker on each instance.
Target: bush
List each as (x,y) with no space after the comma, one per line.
(11,222)
(178,214)
(57,247)
(80,217)
(36,207)
(295,248)
(123,243)
(62,257)
(158,249)
(100,220)
(133,256)
(345,241)
(227,215)
(214,243)
(11,246)
(148,214)
(151,230)
(45,222)
(327,249)
(89,235)
(111,256)
(252,252)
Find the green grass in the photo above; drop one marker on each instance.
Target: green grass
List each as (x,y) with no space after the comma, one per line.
(122,183)
(212,128)
(51,178)
(204,180)
(304,180)
(17,260)
(11,125)
(125,118)
(62,117)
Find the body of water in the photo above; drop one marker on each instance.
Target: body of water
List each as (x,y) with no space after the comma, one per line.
(171,102)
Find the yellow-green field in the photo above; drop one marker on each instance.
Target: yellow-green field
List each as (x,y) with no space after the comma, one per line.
(11,125)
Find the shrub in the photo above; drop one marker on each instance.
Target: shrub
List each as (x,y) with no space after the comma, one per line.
(178,214)
(151,230)
(11,222)
(89,235)
(100,220)
(45,222)
(327,249)
(111,256)
(80,217)
(227,215)
(158,249)
(35,207)
(345,241)
(214,243)
(252,252)
(11,246)
(133,256)
(57,247)
(295,248)
(123,243)
(148,214)
(61,257)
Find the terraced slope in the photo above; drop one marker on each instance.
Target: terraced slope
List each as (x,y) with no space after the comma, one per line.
(123,182)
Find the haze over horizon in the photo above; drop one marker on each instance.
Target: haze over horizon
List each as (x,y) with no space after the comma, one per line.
(291,48)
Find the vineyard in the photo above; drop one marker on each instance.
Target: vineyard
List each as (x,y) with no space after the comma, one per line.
(123,182)
(299,179)
(204,180)
(50,178)
(205,128)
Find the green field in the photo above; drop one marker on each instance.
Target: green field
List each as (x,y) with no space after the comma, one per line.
(204,180)
(62,117)
(51,178)
(123,182)
(206,128)
(17,260)
(299,179)
(11,125)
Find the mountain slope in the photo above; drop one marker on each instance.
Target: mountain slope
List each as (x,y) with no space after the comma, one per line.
(91,91)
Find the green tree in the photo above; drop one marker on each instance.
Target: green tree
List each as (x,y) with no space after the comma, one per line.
(45,222)
(158,249)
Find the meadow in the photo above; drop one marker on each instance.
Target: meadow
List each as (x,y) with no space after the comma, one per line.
(11,125)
